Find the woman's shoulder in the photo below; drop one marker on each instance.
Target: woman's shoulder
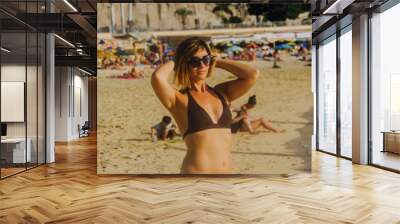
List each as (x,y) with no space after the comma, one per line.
(182,96)
(183,90)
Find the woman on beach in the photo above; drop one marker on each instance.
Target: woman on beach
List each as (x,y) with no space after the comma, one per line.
(243,122)
(200,111)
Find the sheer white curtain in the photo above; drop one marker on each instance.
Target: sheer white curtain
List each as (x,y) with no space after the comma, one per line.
(346,92)
(327,95)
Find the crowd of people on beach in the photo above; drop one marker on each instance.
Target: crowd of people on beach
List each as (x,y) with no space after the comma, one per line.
(262,50)
(155,52)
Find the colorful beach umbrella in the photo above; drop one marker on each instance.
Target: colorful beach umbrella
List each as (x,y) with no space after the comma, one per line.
(234,48)
(282,46)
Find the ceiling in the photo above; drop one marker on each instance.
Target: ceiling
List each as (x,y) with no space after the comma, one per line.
(73,20)
(335,14)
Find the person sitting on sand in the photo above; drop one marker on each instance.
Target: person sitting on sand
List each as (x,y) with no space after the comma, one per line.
(243,122)
(116,64)
(106,63)
(135,74)
(132,74)
(140,58)
(163,130)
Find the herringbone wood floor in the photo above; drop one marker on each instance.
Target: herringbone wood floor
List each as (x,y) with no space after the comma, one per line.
(69,191)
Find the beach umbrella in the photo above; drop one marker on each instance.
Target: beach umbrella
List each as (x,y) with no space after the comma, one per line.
(261,42)
(282,46)
(305,44)
(121,52)
(229,44)
(224,46)
(234,48)
(242,43)
(281,42)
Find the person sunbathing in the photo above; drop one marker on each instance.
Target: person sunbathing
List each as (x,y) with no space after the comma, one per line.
(132,74)
(243,122)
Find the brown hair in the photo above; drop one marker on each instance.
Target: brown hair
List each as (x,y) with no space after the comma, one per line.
(185,50)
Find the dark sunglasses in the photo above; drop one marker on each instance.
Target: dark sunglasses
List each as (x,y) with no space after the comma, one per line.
(195,62)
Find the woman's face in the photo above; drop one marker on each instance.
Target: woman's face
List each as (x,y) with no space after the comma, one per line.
(198,68)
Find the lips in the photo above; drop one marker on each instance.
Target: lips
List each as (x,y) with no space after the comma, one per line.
(202,71)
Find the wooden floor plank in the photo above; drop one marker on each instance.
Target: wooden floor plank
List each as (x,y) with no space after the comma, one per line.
(70,191)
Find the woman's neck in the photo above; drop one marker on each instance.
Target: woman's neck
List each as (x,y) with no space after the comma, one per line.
(198,86)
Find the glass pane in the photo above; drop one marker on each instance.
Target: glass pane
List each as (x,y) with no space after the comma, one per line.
(31,100)
(22,67)
(31,85)
(41,98)
(13,87)
(327,96)
(346,93)
(385,89)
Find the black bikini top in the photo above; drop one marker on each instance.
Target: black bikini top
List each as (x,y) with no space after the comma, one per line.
(199,119)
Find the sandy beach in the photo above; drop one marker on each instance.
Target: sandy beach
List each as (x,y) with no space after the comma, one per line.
(128,108)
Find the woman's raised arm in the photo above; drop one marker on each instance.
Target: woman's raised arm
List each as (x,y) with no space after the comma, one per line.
(163,89)
(246,77)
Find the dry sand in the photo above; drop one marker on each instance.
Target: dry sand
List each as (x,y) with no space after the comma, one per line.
(128,108)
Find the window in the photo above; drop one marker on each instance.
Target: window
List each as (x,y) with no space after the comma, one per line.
(22,77)
(385,88)
(346,92)
(327,95)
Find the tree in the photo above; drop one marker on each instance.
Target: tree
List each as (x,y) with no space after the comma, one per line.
(221,9)
(257,10)
(242,8)
(293,11)
(277,12)
(235,19)
(283,12)
(183,13)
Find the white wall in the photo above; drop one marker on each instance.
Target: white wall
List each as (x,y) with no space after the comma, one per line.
(79,117)
(12,73)
(70,83)
(62,81)
(33,126)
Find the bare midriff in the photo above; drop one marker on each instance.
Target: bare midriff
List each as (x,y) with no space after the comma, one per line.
(209,152)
